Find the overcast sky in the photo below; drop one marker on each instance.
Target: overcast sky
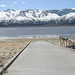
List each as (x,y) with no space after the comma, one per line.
(36,4)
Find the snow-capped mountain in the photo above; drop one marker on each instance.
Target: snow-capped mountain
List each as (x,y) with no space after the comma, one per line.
(37,17)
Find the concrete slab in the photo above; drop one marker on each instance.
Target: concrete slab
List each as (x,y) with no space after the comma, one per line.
(44,58)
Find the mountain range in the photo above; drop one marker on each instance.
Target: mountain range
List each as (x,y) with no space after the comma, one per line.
(37,17)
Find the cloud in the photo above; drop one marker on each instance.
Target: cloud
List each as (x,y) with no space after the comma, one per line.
(3,5)
(23,2)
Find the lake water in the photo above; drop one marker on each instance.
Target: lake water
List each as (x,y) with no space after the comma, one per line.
(35,32)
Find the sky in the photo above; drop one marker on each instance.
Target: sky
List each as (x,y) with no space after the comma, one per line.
(36,4)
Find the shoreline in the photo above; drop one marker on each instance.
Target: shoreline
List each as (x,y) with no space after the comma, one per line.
(31,36)
(37,26)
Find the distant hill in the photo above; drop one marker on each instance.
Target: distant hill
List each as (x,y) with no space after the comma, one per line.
(37,17)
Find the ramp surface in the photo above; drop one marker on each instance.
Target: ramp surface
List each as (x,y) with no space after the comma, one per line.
(44,58)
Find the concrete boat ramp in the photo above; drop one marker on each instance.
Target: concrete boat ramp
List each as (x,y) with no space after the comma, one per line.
(43,58)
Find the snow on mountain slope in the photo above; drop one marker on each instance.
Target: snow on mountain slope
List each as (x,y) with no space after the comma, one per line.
(69,16)
(25,16)
(50,16)
(31,14)
(8,15)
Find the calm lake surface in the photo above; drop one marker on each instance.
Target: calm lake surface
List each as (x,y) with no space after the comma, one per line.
(35,31)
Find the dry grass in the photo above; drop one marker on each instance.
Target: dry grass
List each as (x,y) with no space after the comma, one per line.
(9,47)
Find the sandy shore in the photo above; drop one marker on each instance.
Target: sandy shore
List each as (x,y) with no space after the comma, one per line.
(9,47)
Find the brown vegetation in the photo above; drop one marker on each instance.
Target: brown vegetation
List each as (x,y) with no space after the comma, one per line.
(9,47)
